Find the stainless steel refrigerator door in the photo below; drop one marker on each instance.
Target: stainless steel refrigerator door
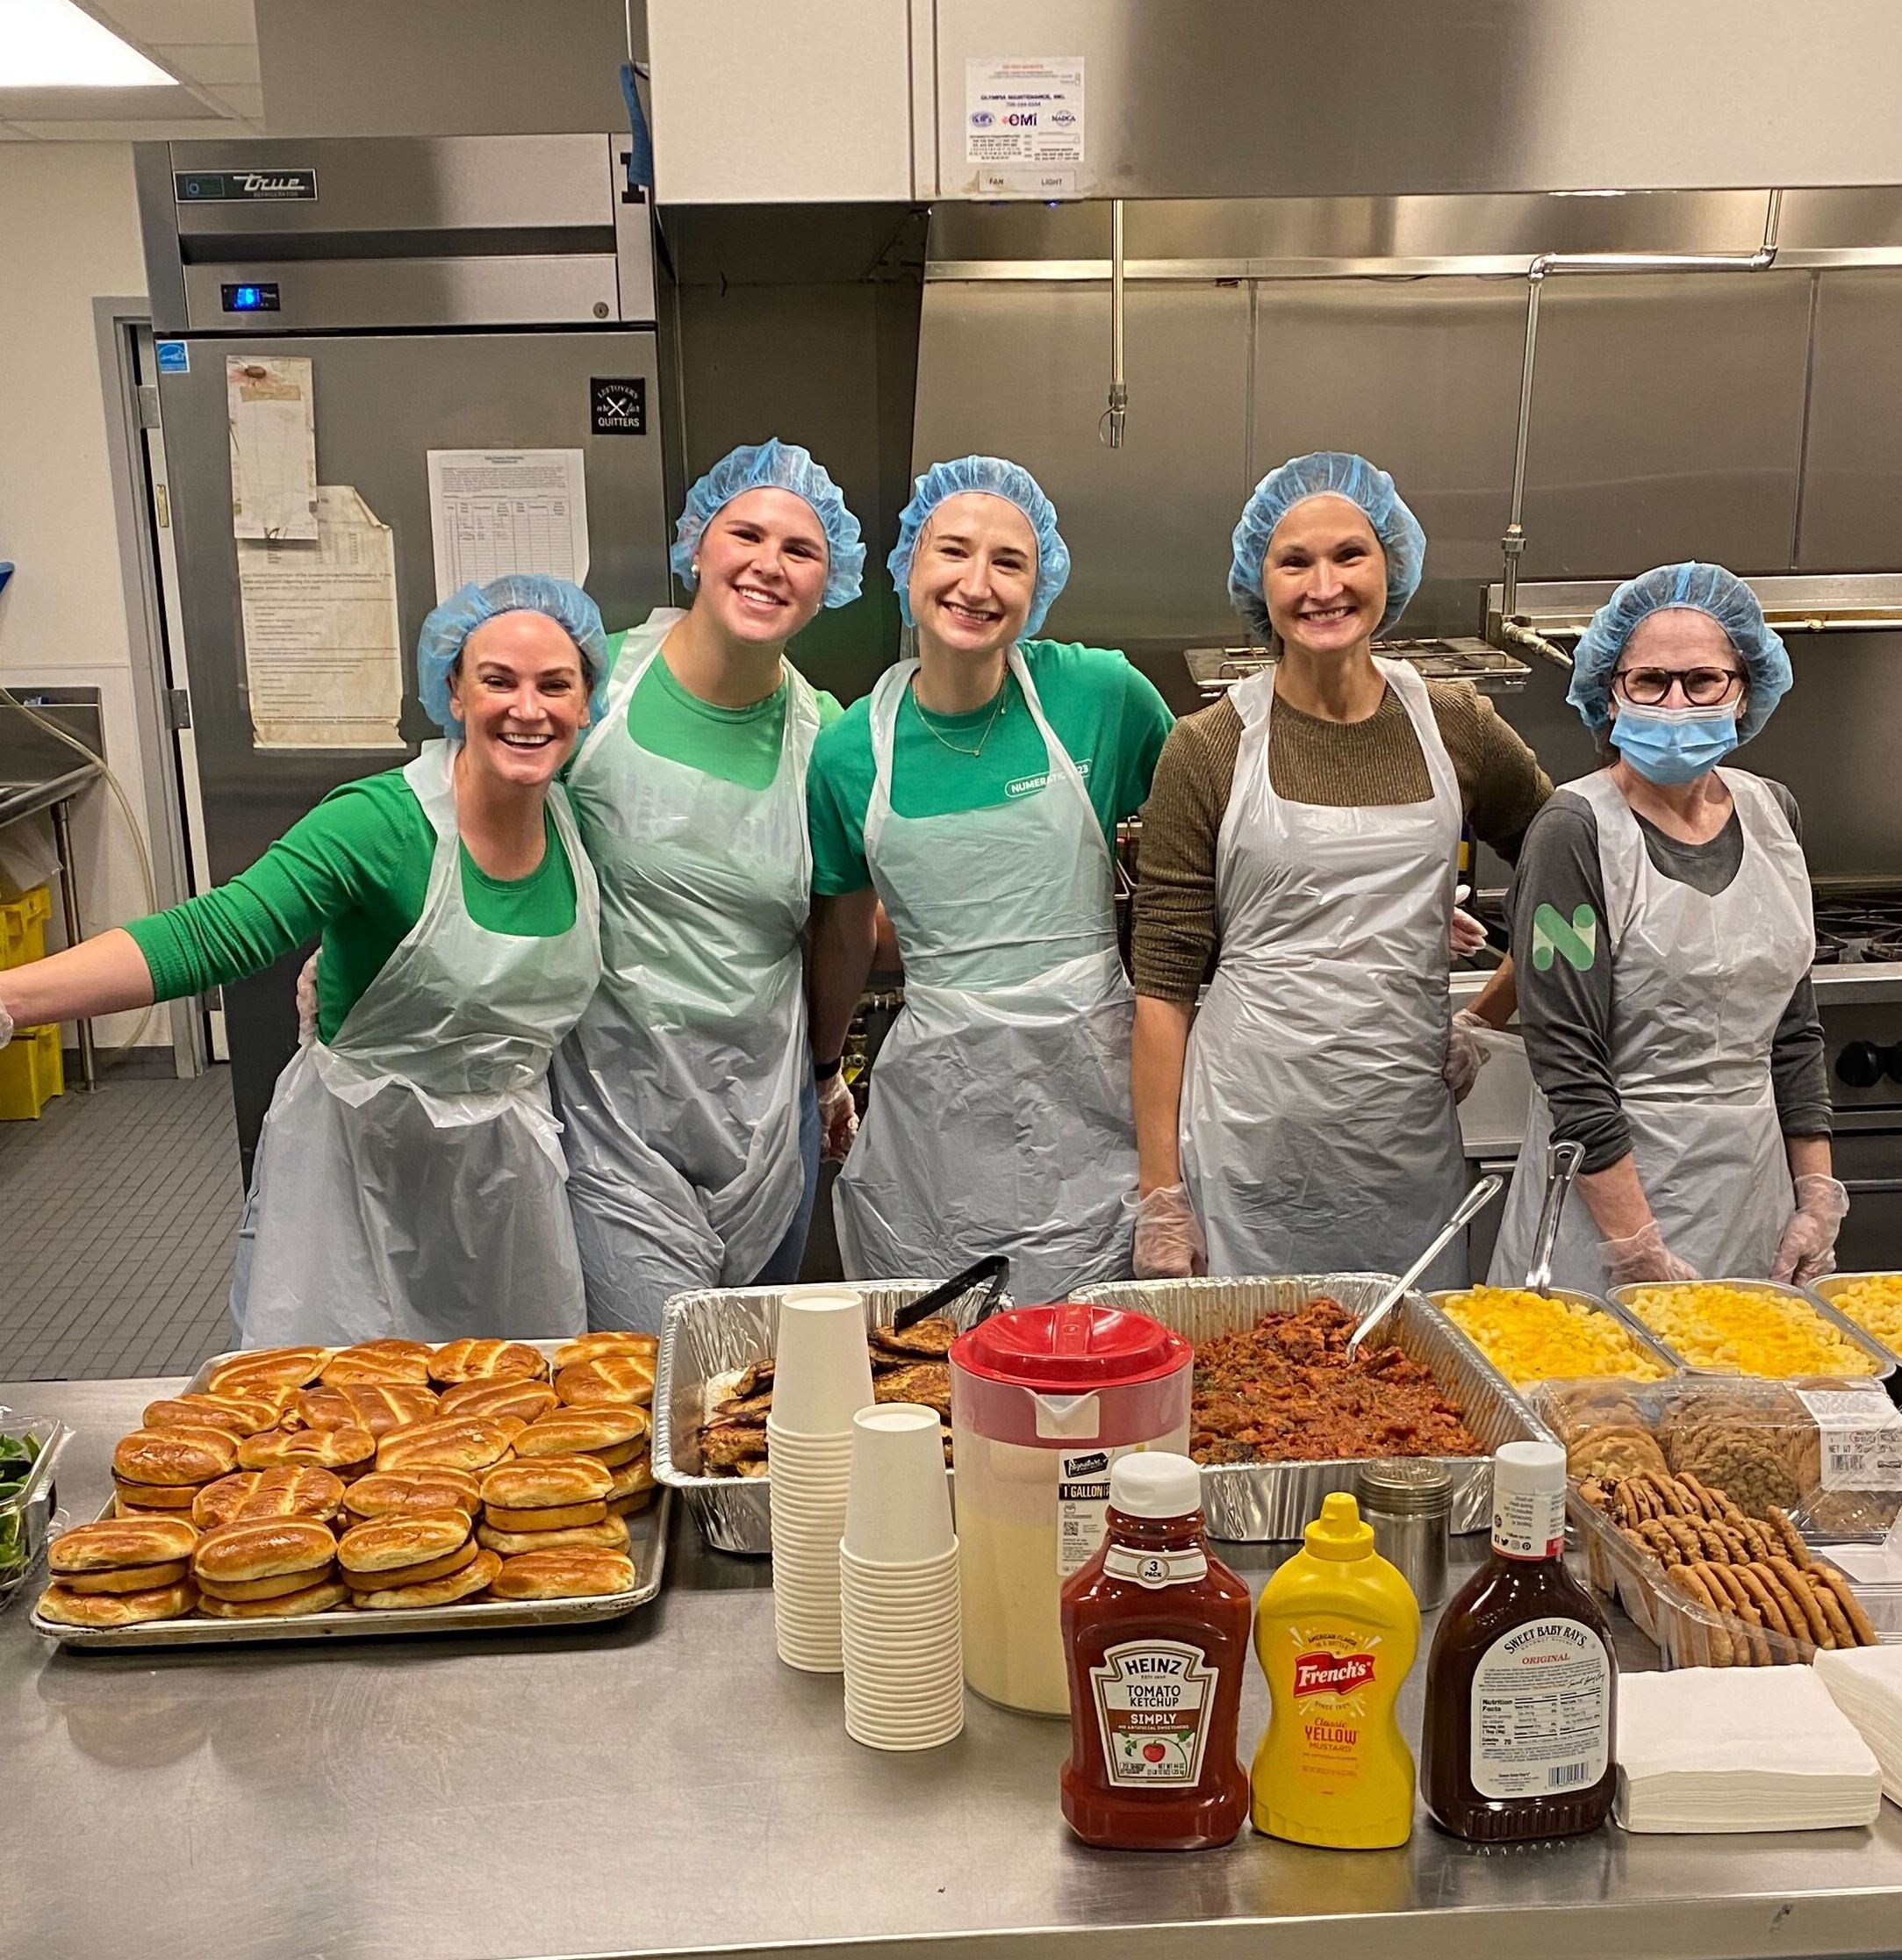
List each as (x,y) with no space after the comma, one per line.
(383,401)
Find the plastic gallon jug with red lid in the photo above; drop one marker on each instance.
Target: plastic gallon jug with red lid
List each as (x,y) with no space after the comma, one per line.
(1044,1400)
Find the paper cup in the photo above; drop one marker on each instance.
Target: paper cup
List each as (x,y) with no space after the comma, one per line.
(821,1369)
(875,1735)
(899,1508)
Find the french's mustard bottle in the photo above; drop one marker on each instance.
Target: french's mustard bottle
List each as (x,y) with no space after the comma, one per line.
(1336,1634)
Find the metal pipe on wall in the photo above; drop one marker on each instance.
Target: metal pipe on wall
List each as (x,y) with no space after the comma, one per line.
(1110,428)
(1513,543)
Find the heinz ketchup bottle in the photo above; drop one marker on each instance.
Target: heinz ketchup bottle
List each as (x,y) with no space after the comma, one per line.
(1156,1633)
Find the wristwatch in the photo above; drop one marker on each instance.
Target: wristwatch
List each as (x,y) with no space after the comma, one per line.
(823,1072)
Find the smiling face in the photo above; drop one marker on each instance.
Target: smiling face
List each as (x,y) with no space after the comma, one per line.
(1325,577)
(973,573)
(760,567)
(521,692)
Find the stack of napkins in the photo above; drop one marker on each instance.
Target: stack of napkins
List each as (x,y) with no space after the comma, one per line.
(1867,1685)
(1740,1749)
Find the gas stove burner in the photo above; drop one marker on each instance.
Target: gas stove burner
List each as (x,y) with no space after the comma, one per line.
(1855,929)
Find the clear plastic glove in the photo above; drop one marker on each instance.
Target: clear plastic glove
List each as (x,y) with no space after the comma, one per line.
(1169,1243)
(1468,1052)
(1643,1260)
(839,1117)
(6,1025)
(1467,934)
(1808,1250)
(307,1003)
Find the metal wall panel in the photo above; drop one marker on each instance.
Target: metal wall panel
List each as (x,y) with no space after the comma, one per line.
(1211,98)
(1852,488)
(1667,422)
(1421,377)
(1023,371)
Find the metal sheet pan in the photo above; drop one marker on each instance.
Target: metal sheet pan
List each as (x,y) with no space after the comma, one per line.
(1647,1342)
(1885,1363)
(1272,1501)
(711,1331)
(646,1546)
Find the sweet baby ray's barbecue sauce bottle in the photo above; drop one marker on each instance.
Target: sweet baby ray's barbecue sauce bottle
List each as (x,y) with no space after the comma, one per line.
(1522,1686)
(1337,1630)
(1156,1632)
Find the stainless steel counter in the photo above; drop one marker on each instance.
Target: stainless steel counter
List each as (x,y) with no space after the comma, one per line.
(664,1786)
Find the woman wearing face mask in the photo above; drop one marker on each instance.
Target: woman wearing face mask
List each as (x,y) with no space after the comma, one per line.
(685,1092)
(409,1177)
(976,793)
(1662,932)
(1302,837)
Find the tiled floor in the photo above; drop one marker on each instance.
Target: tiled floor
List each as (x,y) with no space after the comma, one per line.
(117,1216)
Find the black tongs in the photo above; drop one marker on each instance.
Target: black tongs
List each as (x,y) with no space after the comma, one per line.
(992,1272)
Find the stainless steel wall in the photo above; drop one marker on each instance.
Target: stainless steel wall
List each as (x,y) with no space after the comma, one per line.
(1751,419)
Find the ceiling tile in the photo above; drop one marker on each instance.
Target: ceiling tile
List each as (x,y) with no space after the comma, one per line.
(246,99)
(196,23)
(220,63)
(173,131)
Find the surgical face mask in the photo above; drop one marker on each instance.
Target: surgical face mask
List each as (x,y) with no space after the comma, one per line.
(1672,745)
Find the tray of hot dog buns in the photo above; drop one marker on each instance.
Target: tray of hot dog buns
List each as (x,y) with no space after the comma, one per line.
(391,1488)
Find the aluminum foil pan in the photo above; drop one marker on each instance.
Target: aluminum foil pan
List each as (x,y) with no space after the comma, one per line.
(1623,1297)
(1642,1337)
(1826,1290)
(1272,1501)
(712,1331)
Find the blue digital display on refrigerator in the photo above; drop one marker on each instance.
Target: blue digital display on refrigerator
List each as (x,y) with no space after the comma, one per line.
(260,298)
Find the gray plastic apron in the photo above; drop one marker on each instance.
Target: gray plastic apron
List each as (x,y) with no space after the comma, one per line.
(409,1178)
(1317,1131)
(1000,1118)
(679,1088)
(1702,982)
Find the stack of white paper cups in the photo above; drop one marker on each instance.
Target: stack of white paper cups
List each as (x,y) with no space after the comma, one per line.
(897,1585)
(821,1377)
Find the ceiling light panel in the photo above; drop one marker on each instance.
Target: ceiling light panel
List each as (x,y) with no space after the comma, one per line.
(51,44)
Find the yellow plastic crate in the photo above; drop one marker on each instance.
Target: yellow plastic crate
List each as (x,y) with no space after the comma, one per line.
(32,1073)
(22,928)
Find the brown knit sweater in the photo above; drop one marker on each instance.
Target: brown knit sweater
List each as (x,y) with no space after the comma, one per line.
(1310,761)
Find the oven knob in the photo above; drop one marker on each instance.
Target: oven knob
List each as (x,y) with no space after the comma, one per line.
(1860,1064)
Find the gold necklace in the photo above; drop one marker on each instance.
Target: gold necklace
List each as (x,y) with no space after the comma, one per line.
(1004,695)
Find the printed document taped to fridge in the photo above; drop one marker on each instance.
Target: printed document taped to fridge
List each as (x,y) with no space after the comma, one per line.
(267,405)
(495,511)
(322,644)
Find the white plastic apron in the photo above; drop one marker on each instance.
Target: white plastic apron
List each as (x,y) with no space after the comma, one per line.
(1000,1118)
(1702,982)
(1317,1131)
(409,1176)
(679,1088)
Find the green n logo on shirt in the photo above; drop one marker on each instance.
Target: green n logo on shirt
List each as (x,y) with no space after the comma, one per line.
(1577,938)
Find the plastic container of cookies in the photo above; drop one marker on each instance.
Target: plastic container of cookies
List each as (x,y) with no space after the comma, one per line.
(1808,1464)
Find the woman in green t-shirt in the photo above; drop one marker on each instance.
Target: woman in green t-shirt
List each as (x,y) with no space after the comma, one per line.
(409,1177)
(685,1092)
(976,794)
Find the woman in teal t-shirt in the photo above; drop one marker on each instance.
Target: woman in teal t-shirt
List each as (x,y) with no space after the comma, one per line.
(408,1180)
(686,1091)
(976,794)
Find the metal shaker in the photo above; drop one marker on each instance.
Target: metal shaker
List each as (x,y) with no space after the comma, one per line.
(1409,1503)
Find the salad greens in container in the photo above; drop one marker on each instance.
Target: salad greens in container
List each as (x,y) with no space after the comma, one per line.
(29,1448)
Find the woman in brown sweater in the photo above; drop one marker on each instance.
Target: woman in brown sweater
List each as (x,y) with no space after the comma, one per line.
(1300,840)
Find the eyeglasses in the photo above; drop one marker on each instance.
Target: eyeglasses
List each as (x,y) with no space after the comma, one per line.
(1703,687)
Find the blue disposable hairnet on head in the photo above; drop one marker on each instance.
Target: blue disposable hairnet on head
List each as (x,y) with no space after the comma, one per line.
(774,465)
(1326,473)
(994,478)
(440,644)
(1699,588)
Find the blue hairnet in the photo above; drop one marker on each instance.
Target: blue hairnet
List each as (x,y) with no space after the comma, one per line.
(774,465)
(1699,588)
(1326,473)
(440,644)
(994,478)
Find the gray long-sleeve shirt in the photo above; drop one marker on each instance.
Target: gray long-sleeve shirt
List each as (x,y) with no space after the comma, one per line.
(1566,1014)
